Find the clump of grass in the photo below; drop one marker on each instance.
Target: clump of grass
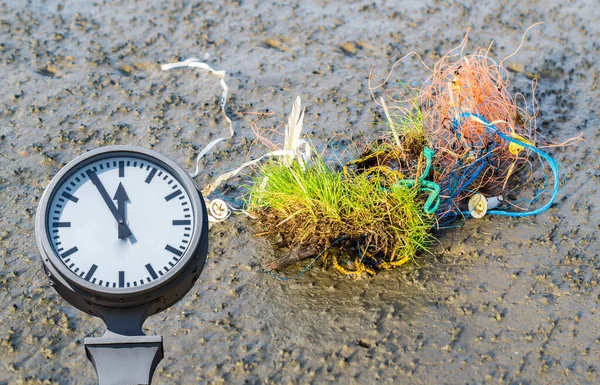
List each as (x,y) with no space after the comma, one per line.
(317,205)
(399,150)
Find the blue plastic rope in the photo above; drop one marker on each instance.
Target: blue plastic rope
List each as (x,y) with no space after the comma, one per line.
(553,164)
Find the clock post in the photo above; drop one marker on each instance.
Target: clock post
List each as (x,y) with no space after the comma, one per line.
(124,360)
(115,258)
(124,355)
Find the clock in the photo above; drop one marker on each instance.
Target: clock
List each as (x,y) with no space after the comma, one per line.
(122,227)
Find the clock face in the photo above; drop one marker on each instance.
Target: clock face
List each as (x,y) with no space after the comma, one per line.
(120,222)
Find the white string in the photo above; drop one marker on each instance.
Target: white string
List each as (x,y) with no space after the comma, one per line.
(293,146)
(193,62)
(223,177)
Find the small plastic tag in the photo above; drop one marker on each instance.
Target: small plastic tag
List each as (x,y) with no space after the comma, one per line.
(516,148)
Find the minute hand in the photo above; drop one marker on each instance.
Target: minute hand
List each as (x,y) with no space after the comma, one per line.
(124,229)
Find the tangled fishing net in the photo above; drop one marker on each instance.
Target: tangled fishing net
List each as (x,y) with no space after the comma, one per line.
(456,148)
(461,135)
(482,135)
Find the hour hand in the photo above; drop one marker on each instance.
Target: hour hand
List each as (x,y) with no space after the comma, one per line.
(124,230)
(121,197)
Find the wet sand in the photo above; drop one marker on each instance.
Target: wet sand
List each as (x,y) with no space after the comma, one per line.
(500,300)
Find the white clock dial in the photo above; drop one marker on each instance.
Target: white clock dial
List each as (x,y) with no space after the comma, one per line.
(154,209)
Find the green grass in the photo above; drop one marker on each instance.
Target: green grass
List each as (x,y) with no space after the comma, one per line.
(319,205)
(407,126)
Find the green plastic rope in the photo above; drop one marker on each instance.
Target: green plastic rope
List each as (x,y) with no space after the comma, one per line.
(431,188)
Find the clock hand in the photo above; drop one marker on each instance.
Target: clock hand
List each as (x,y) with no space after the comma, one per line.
(121,197)
(111,206)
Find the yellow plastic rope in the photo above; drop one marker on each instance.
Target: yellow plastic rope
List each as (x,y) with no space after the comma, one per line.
(391,265)
(360,269)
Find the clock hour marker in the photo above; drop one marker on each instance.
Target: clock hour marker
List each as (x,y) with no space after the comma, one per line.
(69,252)
(173,250)
(151,271)
(61,224)
(151,175)
(182,222)
(173,195)
(90,272)
(121,169)
(70,197)
(121,279)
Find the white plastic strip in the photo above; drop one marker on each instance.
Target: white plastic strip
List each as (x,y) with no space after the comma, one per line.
(292,133)
(223,177)
(293,147)
(193,62)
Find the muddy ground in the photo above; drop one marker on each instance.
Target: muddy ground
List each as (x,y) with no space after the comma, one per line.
(501,300)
